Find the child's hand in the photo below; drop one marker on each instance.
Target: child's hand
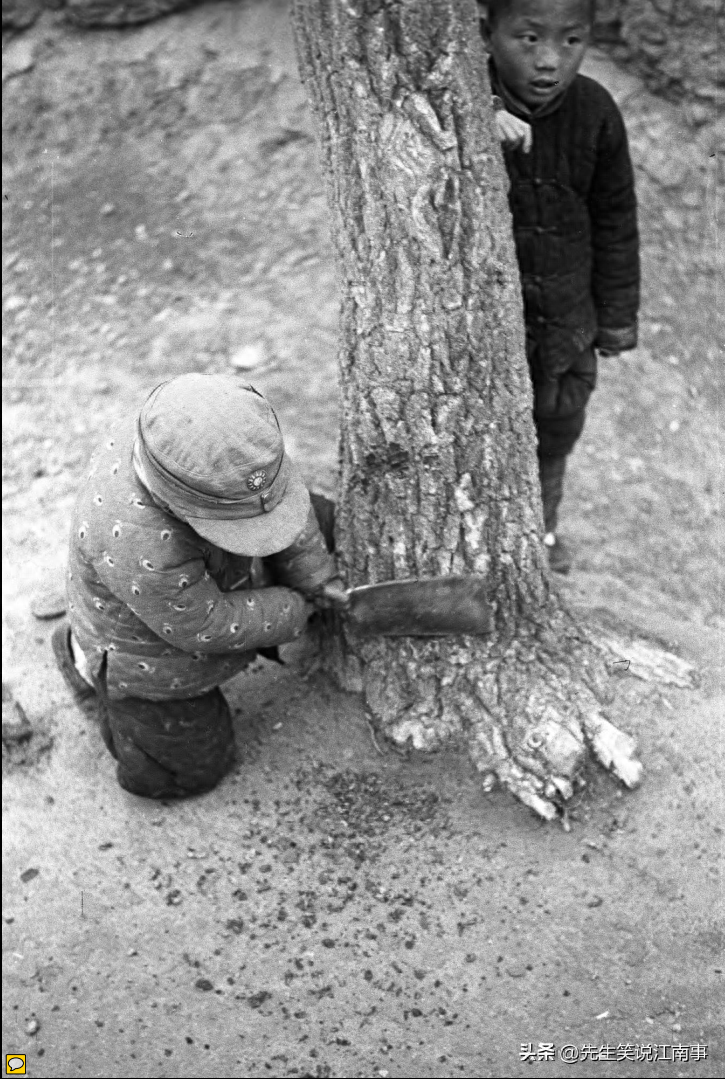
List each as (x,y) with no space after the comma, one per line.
(513,132)
(331,596)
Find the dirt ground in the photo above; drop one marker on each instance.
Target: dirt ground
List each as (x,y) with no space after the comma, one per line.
(335,908)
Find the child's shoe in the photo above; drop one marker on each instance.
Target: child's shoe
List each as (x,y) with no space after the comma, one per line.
(558,552)
(60,642)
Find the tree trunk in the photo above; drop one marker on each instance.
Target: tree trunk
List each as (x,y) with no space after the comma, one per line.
(439,472)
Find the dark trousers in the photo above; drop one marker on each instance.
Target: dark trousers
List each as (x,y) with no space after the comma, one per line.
(559,415)
(551,477)
(167,749)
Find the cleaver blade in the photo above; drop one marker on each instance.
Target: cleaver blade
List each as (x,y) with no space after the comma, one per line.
(418,607)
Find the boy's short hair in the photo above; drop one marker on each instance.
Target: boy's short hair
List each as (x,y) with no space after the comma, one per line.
(492,10)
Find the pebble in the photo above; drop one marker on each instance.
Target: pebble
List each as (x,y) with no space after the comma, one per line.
(14,303)
(518,971)
(50,603)
(32,1027)
(107,209)
(248,357)
(18,57)
(674,426)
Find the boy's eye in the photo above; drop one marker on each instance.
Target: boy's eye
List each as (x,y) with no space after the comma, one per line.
(574,41)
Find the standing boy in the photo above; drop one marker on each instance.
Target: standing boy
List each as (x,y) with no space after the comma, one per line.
(574,218)
(193,546)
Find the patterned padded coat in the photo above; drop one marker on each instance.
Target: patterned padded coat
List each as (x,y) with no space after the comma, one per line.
(574,213)
(173,615)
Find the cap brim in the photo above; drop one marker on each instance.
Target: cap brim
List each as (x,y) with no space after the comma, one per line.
(265,534)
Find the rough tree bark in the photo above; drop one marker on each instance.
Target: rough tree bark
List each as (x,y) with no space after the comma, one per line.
(438,457)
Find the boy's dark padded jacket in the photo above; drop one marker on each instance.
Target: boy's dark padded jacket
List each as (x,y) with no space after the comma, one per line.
(575,224)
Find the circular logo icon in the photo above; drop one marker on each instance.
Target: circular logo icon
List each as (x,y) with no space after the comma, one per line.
(257,480)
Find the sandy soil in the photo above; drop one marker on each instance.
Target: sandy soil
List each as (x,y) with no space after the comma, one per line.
(334,908)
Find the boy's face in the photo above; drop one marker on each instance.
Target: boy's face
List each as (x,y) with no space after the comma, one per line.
(538,45)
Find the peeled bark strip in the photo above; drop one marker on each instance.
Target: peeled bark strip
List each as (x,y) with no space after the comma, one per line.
(650,663)
(438,459)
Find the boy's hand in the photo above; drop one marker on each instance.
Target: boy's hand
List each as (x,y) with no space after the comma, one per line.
(331,596)
(513,132)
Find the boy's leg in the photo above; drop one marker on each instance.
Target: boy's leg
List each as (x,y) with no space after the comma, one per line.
(551,477)
(169,748)
(559,415)
(164,748)
(84,693)
(63,652)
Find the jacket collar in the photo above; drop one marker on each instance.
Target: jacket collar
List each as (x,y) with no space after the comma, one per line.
(519,108)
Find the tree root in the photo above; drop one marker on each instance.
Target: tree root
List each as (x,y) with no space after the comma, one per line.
(543,767)
(614,749)
(529,712)
(648,662)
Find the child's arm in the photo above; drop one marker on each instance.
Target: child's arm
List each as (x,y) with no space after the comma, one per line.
(179,602)
(308,566)
(615,241)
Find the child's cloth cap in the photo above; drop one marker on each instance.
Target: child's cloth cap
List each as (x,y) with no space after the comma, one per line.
(210,447)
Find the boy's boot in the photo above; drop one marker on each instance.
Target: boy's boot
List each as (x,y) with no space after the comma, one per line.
(63,653)
(551,477)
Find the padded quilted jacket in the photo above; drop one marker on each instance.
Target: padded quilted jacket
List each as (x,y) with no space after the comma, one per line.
(574,213)
(172,615)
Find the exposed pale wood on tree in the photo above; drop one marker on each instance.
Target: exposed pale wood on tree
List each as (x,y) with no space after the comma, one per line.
(650,663)
(438,448)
